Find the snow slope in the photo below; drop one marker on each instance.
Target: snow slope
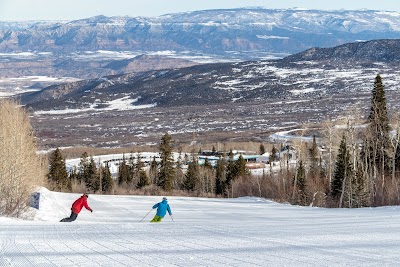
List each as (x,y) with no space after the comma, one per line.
(206,232)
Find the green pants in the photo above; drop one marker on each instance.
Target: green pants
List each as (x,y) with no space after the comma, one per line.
(156,219)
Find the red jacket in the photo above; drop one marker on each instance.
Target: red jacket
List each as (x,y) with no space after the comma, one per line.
(79,204)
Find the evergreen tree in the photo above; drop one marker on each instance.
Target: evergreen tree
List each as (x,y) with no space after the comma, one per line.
(107,180)
(139,164)
(192,176)
(153,171)
(132,171)
(358,196)
(83,167)
(240,167)
(378,128)
(58,175)
(314,150)
(220,179)
(273,156)
(92,178)
(231,172)
(207,164)
(314,159)
(213,150)
(136,169)
(143,179)
(343,170)
(301,184)
(166,173)
(262,149)
(123,172)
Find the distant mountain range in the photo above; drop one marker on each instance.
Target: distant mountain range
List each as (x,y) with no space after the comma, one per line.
(314,73)
(135,78)
(246,33)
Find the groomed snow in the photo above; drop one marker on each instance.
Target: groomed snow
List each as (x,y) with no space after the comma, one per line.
(205,232)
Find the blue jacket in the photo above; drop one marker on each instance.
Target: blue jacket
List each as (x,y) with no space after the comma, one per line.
(162,208)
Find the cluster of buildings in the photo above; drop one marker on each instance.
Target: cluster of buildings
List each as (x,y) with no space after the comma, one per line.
(257,164)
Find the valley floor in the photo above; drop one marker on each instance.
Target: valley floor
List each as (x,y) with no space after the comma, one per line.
(205,232)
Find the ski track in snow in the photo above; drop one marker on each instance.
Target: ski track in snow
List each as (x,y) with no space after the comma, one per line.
(205,232)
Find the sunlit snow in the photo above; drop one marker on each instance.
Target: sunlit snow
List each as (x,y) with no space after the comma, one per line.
(124,103)
(246,231)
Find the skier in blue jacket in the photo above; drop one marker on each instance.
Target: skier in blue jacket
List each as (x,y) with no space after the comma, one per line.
(162,208)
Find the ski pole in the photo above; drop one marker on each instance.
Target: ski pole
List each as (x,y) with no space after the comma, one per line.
(172,218)
(146,215)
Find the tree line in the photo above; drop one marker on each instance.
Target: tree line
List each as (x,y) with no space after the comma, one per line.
(359,166)
(166,174)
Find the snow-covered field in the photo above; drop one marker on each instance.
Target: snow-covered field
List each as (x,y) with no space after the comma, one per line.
(205,232)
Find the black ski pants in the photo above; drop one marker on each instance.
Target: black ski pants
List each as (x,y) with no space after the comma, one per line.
(70,218)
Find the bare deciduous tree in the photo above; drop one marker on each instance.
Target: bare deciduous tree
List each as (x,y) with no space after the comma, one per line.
(21,169)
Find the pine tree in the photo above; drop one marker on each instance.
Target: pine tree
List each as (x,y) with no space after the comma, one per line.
(192,176)
(123,172)
(240,167)
(83,167)
(207,164)
(343,171)
(231,171)
(166,173)
(58,175)
(358,196)
(143,179)
(262,149)
(314,150)
(314,159)
(220,177)
(107,181)
(301,184)
(273,156)
(132,172)
(139,164)
(153,171)
(378,128)
(92,178)
(136,168)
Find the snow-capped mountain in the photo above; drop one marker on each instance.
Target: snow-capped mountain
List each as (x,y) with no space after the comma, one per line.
(252,31)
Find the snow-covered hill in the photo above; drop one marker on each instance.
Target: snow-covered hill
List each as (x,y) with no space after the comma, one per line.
(205,232)
(313,73)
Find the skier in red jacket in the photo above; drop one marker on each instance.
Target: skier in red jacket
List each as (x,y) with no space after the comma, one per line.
(77,207)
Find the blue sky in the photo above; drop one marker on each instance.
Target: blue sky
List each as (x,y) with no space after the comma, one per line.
(76,9)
